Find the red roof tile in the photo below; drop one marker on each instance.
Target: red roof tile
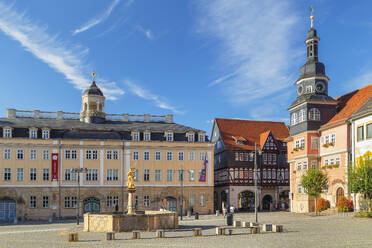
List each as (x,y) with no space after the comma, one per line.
(263,137)
(348,104)
(250,130)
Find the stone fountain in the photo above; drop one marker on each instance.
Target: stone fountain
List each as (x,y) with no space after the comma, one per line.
(121,222)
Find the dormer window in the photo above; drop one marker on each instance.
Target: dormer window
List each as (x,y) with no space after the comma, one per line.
(191,137)
(201,137)
(147,136)
(239,140)
(45,134)
(7,133)
(33,133)
(169,136)
(135,136)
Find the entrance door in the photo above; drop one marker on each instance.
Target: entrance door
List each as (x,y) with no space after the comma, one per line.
(91,205)
(339,193)
(246,200)
(266,202)
(7,210)
(171,204)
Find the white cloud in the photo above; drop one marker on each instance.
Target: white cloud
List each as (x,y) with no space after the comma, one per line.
(364,79)
(97,20)
(48,48)
(147,32)
(147,95)
(255,41)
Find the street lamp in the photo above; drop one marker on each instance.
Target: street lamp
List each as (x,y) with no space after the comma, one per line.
(181,203)
(255,180)
(78,171)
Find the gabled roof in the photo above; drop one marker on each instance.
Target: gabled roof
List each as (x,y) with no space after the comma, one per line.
(252,131)
(263,138)
(350,103)
(364,110)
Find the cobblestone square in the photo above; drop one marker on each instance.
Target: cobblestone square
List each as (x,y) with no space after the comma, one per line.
(299,231)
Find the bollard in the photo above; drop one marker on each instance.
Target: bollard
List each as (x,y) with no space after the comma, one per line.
(229,219)
(196,216)
(197,232)
(237,223)
(73,237)
(160,233)
(253,224)
(267,227)
(277,228)
(136,235)
(255,230)
(218,212)
(110,236)
(246,224)
(220,231)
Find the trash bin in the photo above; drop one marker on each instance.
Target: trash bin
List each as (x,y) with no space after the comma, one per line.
(196,216)
(230,219)
(188,213)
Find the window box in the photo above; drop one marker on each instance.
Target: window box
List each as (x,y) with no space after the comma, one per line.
(336,165)
(326,145)
(298,148)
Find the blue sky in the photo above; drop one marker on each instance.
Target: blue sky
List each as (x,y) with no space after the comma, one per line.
(195,59)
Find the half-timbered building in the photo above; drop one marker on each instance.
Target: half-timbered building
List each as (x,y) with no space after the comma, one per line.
(238,145)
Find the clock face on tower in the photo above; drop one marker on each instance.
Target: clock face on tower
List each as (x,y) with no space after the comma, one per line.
(320,87)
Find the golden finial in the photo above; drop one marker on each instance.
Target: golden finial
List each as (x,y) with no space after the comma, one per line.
(93,75)
(312,17)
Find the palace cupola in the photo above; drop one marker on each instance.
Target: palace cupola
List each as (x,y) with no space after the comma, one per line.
(93,102)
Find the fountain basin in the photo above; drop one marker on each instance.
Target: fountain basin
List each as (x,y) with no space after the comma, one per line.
(118,222)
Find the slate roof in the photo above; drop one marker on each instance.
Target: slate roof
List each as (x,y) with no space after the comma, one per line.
(250,130)
(105,126)
(93,90)
(350,103)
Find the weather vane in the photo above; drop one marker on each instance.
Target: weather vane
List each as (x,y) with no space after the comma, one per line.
(93,75)
(312,16)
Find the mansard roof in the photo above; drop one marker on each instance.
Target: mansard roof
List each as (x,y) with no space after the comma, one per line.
(105,126)
(252,131)
(350,103)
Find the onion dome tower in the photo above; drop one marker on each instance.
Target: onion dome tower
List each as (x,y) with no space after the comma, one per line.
(93,102)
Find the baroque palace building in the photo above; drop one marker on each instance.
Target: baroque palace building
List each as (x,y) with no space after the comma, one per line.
(320,131)
(239,144)
(44,155)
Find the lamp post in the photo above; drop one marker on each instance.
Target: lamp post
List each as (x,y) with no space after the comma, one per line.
(181,203)
(255,180)
(78,171)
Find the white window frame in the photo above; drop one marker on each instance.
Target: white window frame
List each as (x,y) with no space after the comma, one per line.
(33,174)
(201,137)
(135,136)
(146,175)
(135,155)
(33,154)
(20,155)
(20,174)
(146,155)
(7,133)
(45,154)
(170,174)
(191,175)
(46,174)
(147,136)
(7,174)
(157,175)
(7,154)
(45,134)
(191,156)
(169,136)
(146,201)
(190,137)
(157,155)
(201,156)
(181,156)
(33,133)
(45,201)
(32,201)
(169,156)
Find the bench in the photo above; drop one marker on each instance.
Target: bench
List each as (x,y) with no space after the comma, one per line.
(110,236)
(136,235)
(160,233)
(277,228)
(73,237)
(267,227)
(220,231)
(237,223)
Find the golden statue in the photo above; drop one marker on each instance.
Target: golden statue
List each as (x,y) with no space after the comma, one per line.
(131,177)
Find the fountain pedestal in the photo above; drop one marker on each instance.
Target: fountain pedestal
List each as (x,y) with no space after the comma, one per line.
(131,203)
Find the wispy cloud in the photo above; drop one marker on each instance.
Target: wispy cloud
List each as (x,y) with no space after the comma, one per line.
(97,20)
(68,60)
(147,95)
(255,45)
(147,32)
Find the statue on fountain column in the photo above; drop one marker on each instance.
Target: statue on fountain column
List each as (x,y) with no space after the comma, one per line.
(131,177)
